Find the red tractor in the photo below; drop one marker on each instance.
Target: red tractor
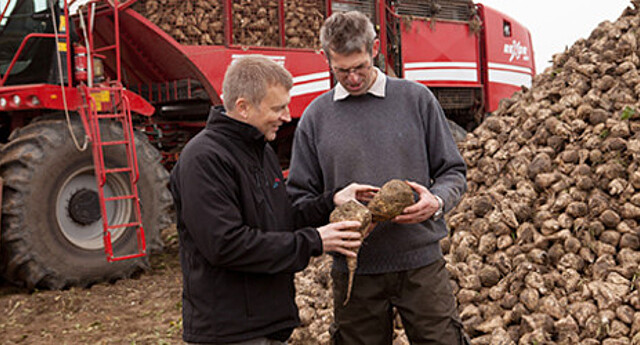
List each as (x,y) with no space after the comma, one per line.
(93,79)
(78,181)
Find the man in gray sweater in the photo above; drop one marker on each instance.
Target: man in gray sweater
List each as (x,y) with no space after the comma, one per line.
(372,128)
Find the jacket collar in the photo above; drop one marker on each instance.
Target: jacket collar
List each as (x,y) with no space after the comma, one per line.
(220,122)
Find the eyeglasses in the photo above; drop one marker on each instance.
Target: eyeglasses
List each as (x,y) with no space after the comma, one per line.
(345,72)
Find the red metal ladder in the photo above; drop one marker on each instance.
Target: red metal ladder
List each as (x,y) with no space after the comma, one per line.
(119,111)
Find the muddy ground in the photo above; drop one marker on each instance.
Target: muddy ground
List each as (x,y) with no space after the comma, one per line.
(145,309)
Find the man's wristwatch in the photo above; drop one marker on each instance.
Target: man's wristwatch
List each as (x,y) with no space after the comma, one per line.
(439,213)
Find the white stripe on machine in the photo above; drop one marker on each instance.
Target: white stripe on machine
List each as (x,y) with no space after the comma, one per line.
(312,87)
(312,76)
(319,82)
(416,65)
(469,75)
(511,78)
(509,67)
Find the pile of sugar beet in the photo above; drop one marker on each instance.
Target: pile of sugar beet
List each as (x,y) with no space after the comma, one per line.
(255,22)
(545,246)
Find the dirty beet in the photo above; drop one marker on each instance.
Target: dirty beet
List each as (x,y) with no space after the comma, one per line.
(389,202)
(352,210)
(545,244)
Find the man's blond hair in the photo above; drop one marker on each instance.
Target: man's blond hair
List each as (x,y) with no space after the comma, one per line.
(249,77)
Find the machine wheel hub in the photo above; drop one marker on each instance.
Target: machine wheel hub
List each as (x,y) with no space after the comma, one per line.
(84,207)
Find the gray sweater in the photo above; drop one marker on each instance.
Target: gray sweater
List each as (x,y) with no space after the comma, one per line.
(370,139)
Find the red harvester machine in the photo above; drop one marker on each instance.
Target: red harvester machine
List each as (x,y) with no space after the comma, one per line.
(93,79)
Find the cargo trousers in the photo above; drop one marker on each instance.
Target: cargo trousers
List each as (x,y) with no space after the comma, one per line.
(423,298)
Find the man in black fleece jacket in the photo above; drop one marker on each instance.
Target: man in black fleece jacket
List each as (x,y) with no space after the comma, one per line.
(239,246)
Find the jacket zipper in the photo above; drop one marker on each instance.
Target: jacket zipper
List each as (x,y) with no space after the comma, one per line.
(265,189)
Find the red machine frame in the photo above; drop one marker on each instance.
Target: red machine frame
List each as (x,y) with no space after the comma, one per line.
(89,102)
(442,54)
(454,57)
(453,49)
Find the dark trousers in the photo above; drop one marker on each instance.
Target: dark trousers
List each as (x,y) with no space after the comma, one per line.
(423,297)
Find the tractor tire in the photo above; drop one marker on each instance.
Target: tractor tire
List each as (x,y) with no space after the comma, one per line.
(51,224)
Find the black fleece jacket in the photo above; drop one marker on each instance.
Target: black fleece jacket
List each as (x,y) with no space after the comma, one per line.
(239,238)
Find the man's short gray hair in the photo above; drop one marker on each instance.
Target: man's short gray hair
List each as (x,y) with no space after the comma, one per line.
(249,77)
(347,33)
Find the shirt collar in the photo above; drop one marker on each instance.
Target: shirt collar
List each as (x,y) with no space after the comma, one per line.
(377,89)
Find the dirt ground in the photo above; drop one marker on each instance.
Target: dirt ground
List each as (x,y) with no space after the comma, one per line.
(145,309)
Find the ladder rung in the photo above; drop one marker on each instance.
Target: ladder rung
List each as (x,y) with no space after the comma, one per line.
(125,257)
(109,116)
(125,225)
(116,170)
(123,115)
(121,197)
(118,142)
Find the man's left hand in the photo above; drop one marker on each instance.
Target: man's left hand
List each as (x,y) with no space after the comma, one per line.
(355,191)
(422,210)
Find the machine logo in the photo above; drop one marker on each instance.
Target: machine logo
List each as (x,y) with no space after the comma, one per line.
(516,51)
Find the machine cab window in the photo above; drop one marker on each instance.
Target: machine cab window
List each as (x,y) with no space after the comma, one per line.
(21,18)
(506,28)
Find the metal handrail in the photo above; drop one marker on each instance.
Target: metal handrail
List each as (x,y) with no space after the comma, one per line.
(133,162)
(5,10)
(15,57)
